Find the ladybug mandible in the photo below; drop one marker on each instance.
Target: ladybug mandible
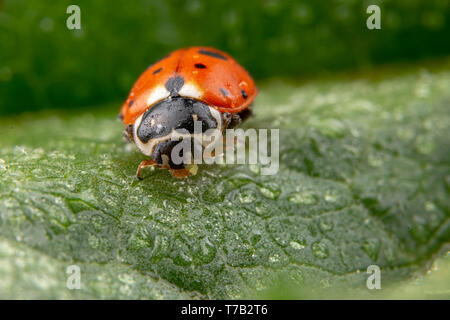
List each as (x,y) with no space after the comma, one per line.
(198,83)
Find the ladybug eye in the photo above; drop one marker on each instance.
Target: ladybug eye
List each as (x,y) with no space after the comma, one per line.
(200,66)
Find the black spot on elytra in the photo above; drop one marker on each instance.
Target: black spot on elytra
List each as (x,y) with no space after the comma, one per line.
(212,54)
(174,84)
(200,66)
(157,71)
(130,104)
(224,92)
(244,94)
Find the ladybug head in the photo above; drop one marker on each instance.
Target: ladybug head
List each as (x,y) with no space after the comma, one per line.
(153,130)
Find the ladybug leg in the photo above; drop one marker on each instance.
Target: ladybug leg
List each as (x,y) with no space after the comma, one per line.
(126,136)
(143,164)
(128,133)
(235,120)
(226,119)
(238,118)
(185,172)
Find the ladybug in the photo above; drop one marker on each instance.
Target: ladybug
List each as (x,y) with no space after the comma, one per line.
(190,84)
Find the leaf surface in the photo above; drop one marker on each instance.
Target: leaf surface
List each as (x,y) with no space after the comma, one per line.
(363,179)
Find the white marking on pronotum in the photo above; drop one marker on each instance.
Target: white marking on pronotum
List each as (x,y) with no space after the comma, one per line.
(191,90)
(159,93)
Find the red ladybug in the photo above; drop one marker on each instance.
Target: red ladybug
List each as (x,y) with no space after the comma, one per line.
(198,83)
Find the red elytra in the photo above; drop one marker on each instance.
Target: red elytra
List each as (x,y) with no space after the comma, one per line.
(209,75)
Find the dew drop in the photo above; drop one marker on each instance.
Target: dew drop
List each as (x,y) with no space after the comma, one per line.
(270,191)
(93,241)
(3,164)
(303,197)
(126,278)
(320,250)
(430,206)
(331,196)
(275,258)
(297,245)
(375,160)
(247,196)
(263,209)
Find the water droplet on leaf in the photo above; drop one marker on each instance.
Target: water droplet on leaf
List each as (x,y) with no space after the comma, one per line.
(303,197)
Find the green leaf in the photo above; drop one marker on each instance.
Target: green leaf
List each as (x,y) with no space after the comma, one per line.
(364,179)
